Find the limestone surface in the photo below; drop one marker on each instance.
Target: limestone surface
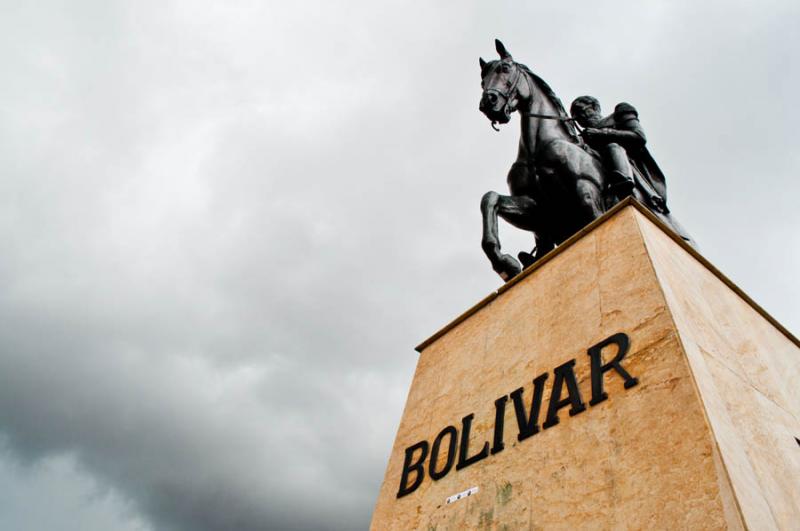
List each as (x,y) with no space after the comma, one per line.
(705,440)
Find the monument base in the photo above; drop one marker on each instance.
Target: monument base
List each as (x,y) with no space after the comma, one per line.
(620,382)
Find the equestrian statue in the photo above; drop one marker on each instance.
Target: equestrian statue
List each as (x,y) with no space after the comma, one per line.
(569,169)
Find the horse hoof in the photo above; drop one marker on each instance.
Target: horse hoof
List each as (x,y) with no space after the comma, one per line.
(507,267)
(527,259)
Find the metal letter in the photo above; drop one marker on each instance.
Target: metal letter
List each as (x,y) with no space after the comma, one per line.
(418,467)
(598,369)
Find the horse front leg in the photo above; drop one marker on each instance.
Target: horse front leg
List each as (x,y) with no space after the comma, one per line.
(517,210)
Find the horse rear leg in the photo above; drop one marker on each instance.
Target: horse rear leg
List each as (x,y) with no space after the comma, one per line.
(520,211)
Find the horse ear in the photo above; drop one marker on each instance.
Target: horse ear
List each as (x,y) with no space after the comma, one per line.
(501,49)
(482,63)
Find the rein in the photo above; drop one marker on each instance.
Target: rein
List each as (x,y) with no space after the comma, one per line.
(551,117)
(564,119)
(512,89)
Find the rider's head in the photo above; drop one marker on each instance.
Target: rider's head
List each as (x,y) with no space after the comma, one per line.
(585,110)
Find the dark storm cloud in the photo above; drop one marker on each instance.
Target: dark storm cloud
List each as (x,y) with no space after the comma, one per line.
(225,227)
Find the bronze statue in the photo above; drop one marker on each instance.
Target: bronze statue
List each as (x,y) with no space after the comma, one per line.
(562,178)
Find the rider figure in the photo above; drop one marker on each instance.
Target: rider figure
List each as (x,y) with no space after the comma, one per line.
(616,137)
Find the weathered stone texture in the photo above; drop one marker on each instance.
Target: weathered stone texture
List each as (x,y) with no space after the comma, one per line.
(702,442)
(748,376)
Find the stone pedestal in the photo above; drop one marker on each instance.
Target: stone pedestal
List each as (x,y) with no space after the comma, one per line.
(621,382)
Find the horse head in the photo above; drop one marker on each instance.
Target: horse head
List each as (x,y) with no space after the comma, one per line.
(500,80)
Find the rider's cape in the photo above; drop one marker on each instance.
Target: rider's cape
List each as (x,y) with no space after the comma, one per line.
(651,180)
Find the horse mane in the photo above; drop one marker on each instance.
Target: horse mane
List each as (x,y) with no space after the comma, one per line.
(548,91)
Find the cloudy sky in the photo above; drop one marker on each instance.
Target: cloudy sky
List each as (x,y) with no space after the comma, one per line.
(225,225)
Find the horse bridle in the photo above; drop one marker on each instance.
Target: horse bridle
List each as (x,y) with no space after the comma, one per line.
(512,85)
(512,89)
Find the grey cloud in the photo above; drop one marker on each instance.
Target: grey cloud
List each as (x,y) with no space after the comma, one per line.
(225,227)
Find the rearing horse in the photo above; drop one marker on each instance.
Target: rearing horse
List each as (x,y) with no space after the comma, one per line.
(556,186)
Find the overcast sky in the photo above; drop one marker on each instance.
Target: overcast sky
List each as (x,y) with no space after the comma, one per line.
(225,225)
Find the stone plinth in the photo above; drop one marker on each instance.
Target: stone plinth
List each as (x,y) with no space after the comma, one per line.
(697,431)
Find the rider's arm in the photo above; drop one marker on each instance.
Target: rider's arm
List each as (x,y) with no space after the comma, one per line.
(630,137)
(627,130)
